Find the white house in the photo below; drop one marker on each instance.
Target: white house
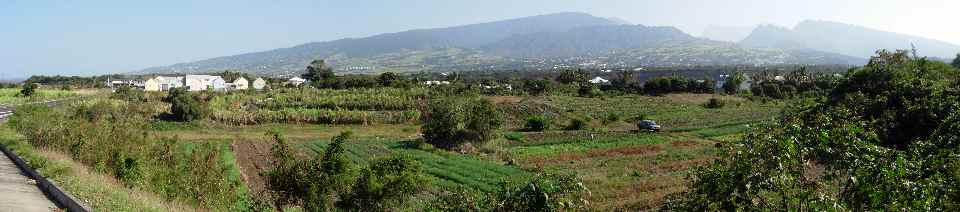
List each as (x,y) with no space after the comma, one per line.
(297,81)
(241,84)
(436,83)
(259,84)
(162,83)
(205,82)
(599,80)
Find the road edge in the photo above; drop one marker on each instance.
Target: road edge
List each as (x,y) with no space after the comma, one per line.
(54,192)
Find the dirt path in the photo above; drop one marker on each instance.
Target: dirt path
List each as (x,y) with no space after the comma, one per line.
(253,157)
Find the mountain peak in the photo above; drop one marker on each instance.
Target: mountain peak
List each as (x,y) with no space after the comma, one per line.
(842,38)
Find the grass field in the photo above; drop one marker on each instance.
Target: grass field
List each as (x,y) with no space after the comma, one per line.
(680,112)
(10,96)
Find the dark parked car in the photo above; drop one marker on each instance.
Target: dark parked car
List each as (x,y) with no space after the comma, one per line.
(648,125)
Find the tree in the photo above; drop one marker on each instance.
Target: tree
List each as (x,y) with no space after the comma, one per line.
(28,89)
(572,76)
(732,85)
(536,87)
(183,105)
(623,81)
(956,62)
(318,71)
(454,121)
(387,79)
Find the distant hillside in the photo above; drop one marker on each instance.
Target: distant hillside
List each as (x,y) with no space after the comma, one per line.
(844,39)
(586,40)
(467,36)
(537,42)
(727,33)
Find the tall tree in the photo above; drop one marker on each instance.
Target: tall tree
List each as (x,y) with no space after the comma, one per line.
(956,61)
(318,71)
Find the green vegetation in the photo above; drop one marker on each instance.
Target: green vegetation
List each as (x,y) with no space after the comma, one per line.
(319,106)
(883,139)
(455,121)
(13,96)
(537,123)
(202,174)
(28,89)
(184,106)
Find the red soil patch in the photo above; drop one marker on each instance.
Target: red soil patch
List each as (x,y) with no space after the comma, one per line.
(540,161)
(505,99)
(684,143)
(253,157)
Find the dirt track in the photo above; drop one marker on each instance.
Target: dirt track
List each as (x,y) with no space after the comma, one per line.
(253,157)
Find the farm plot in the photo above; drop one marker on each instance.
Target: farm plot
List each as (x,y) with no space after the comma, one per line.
(624,172)
(320,106)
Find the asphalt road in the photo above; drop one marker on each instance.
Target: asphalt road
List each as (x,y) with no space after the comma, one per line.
(5,112)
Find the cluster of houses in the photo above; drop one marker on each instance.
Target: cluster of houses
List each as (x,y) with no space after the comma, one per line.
(192,83)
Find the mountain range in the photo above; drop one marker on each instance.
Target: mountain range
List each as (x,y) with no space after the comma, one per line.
(844,39)
(553,41)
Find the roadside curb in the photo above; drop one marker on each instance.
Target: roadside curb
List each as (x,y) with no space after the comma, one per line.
(54,192)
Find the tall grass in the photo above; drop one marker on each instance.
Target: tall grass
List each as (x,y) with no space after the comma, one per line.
(10,96)
(110,136)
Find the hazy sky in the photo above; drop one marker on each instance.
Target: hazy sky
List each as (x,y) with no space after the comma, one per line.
(94,37)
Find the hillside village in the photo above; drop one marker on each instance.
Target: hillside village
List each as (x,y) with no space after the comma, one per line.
(191,83)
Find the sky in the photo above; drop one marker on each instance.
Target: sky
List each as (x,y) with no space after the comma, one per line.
(74,37)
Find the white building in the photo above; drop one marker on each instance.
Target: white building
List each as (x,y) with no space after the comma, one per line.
(436,83)
(297,81)
(241,84)
(259,84)
(162,83)
(205,82)
(599,80)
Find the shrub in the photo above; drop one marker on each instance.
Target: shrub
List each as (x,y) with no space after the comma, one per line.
(315,182)
(714,103)
(578,123)
(513,136)
(385,184)
(611,118)
(454,121)
(183,105)
(549,192)
(28,89)
(128,94)
(537,123)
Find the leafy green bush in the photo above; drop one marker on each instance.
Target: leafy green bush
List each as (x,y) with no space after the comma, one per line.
(385,184)
(28,89)
(548,192)
(183,105)
(513,136)
(714,103)
(328,180)
(611,118)
(537,123)
(886,138)
(579,123)
(454,121)
(106,135)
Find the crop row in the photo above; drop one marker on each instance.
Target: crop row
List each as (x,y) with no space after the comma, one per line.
(354,99)
(315,116)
